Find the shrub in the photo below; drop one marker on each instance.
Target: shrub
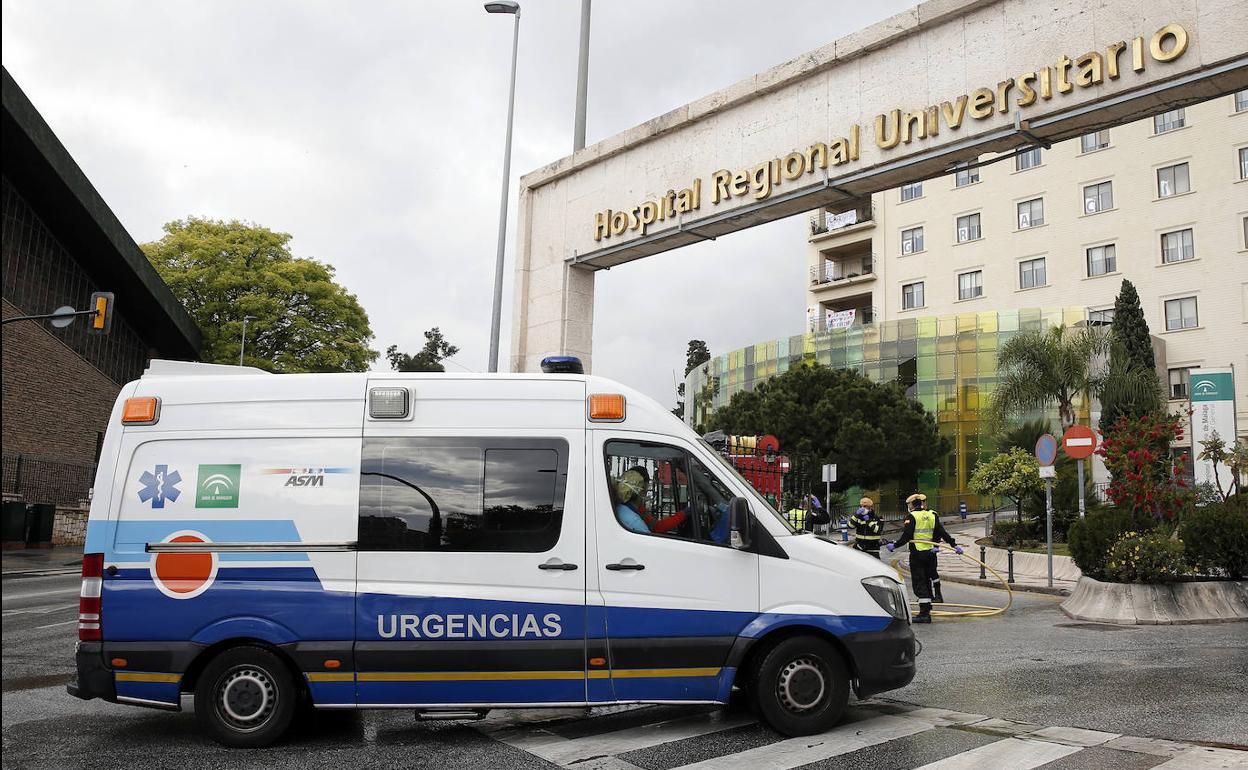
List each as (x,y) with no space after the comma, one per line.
(1151,557)
(1143,478)
(1015,534)
(1091,538)
(1216,538)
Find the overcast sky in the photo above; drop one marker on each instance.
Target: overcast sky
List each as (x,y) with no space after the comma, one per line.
(373,133)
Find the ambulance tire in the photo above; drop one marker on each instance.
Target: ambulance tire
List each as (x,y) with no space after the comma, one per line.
(800,686)
(245,698)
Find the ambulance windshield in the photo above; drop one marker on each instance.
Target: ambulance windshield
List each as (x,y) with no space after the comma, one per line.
(760,501)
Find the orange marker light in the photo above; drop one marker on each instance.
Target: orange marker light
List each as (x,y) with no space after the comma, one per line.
(331,663)
(597,661)
(141,411)
(606,407)
(119,662)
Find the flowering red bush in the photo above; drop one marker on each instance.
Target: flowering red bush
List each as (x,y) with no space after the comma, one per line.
(1143,479)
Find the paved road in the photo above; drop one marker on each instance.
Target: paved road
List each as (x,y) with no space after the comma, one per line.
(993,693)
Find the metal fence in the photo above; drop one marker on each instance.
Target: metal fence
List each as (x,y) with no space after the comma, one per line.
(44,480)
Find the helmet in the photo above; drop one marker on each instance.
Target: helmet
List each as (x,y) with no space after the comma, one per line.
(632,484)
(867,502)
(916,497)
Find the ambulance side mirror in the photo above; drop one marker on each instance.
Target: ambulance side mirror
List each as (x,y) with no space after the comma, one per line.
(740,523)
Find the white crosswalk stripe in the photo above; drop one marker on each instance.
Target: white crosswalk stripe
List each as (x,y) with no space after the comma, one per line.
(602,739)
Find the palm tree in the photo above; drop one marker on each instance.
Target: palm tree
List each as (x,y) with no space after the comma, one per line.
(1054,367)
(1041,369)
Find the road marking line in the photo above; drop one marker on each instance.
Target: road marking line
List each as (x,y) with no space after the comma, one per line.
(39,610)
(1012,753)
(567,752)
(62,623)
(18,597)
(795,752)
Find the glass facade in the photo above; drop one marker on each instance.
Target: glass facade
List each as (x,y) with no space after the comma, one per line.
(947,363)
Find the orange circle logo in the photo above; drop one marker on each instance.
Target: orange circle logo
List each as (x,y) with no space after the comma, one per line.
(184,575)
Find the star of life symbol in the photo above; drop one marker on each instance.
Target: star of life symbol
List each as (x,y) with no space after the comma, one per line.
(160,486)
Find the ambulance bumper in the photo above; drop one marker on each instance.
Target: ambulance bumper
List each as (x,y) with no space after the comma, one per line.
(95,680)
(883,660)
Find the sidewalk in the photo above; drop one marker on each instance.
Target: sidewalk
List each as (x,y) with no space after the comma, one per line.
(1030,570)
(41,561)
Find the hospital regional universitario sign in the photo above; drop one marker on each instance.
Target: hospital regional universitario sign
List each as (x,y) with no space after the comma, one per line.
(898,127)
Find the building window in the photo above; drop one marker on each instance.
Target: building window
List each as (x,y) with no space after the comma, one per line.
(1243,162)
(971,285)
(1246,232)
(912,295)
(1028,159)
(1098,197)
(1097,140)
(1173,180)
(1102,260)
(1241,100)
(1169,121)
(968,228)
(1177,246)
(1178,382)
(1101,317)
(1031,273)
(911,191)
(966,176)
(1031,213)
(462,494)
(912,240)
(1181,314)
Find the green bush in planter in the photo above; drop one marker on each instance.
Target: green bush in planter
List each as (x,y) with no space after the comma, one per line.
(1216,538)
(1151,557)
(1091,538)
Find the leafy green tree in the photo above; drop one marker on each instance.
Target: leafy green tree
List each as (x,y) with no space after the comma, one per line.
(222,271)
(696,354)
(1014,474)
(428,359)
(1130,388)
(871,431)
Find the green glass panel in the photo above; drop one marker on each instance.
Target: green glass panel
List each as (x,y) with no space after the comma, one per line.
(927,326)
(927,368)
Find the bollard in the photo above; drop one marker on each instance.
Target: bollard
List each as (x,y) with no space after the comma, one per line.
(844,530)
(983,557)
(1009,555)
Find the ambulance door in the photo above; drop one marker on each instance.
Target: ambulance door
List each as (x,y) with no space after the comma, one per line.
(471,563)
(676,595)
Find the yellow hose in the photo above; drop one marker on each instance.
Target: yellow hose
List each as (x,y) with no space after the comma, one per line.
(970,610)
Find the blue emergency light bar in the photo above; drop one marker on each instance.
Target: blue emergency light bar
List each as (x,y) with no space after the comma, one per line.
(562,365)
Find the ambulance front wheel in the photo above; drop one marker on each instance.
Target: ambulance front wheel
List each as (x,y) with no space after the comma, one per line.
(801,686)
(245,698)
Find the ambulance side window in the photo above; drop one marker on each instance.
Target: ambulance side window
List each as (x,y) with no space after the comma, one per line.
(498,495)
(660,490)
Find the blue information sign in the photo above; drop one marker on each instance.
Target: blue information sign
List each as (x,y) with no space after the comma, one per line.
(1046,449)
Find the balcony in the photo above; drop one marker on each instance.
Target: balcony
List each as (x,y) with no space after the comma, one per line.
(843,271)
(838,317)
(826,223)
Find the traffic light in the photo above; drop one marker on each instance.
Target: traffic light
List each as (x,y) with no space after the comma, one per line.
(102,321)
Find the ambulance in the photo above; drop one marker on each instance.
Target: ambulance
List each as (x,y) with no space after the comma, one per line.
(262,545)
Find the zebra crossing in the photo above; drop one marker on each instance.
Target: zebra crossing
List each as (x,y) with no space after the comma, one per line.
(876,734)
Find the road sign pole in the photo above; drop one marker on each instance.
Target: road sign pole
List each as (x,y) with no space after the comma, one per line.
(1080,466)
(1048,523)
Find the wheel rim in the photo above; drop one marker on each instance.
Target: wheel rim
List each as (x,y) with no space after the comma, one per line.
(246,698)
(802,685)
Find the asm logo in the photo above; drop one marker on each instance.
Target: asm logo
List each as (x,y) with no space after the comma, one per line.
(304,477)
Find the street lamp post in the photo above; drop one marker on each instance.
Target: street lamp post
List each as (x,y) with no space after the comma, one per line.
(503,6)
(243,348)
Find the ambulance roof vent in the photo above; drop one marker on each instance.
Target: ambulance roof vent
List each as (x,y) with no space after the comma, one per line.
(159,367)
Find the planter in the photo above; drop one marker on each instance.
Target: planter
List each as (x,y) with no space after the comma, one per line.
(1210,601)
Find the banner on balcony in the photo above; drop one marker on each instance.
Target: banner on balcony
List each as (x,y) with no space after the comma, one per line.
(841,319)
(1213,411)
(843,219)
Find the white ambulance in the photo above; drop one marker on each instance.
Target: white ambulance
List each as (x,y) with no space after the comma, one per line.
(451,544)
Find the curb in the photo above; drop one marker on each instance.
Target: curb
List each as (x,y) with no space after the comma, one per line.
(1160,604)
(1055,591)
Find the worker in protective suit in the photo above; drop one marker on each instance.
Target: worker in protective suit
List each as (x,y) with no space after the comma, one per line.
(867,527)
(924,526)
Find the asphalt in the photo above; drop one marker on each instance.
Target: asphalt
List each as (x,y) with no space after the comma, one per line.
(1032,665)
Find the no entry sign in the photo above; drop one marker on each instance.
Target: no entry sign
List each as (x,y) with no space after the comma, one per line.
(1079,441)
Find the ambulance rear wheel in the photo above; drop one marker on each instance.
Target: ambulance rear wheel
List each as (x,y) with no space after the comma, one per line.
(245,698)
(801,686)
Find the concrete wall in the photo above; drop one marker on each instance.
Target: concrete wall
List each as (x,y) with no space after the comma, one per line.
(935,52)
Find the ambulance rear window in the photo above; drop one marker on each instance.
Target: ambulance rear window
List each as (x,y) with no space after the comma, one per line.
(478,494)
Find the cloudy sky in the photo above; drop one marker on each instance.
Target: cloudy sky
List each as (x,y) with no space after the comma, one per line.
(373,132)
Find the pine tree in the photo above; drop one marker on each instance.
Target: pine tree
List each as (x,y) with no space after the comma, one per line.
(1131,329)
(1131,388)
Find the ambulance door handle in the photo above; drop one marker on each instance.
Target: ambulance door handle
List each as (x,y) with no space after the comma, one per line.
(620,566)
(556,564)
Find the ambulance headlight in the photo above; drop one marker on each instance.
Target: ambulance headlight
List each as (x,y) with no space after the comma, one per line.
(889,594)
